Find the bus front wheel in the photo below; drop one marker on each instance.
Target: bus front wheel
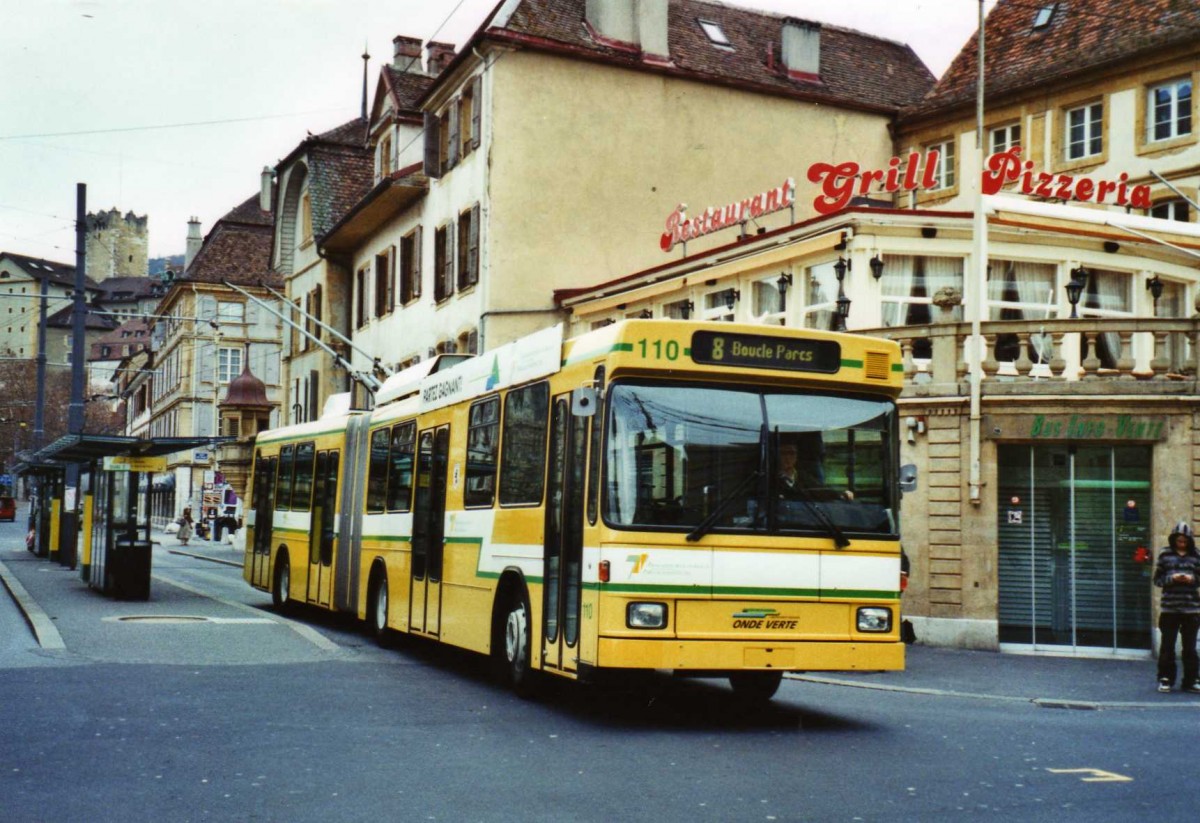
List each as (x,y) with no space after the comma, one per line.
(280,589)
(755,687)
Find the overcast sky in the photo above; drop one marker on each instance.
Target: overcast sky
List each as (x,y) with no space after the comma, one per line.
(171,109)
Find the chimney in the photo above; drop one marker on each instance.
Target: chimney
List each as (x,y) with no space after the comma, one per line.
(406,54)
(636,24)
(264,194)
(194,241)
(440,55)
(801,53)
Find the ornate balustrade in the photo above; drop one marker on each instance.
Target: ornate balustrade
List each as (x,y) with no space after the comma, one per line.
(1141,355)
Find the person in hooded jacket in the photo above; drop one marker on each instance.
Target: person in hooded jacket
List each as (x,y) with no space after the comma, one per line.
(1177,573)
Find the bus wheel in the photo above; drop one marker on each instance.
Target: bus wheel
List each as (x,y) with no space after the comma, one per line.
(516,648)
(377,610)
(280,591)
(755,687)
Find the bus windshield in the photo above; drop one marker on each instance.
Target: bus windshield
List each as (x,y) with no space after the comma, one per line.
(699,458)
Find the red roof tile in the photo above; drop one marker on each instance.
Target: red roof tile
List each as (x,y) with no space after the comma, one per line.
(237,249)
(857,69)
(1081,35)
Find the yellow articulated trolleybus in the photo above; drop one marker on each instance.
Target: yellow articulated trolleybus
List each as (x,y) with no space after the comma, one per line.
(711,499)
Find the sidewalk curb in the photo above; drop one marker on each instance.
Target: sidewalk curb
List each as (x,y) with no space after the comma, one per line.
(1040,702)
(41,624)
(239,564)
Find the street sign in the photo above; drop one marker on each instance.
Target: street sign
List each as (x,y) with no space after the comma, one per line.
(127,463)
(200,456)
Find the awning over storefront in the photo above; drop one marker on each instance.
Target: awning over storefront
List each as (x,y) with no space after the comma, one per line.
(84,448)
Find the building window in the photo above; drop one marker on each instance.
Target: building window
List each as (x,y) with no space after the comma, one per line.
(231,312)
(443,262)
(385,299)
(305,217)
(1004,138)
(229,364)
(819,295)
(469,116)
(360,298)
(1021,291)
(715,34)
(909,284)
(678,310)
(1169,110)
(944,175)
(1085,131)
(1106,294)
(385,156)
(718,305)
(468,248)
(1171,210)
(410,266)
(768,302)
(1043,16)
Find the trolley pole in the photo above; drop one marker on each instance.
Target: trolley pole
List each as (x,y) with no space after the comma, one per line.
(72,495)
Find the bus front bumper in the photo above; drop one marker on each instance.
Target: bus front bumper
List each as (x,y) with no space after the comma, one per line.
(726,655)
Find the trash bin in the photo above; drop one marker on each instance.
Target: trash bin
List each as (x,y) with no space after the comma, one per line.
(129,567)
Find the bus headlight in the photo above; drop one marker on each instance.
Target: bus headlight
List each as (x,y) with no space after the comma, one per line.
(874,619)
(646,615)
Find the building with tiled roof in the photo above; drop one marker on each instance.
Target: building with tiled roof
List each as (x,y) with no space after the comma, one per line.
(205,332)
(320,180)
(553,148)
(21,278)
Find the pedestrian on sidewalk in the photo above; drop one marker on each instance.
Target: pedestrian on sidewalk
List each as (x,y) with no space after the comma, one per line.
(185,525)
(1177,573)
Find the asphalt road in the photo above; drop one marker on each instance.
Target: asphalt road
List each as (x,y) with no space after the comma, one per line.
(246,715)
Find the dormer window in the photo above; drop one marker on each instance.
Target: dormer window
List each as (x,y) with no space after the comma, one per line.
(715,34)
(1044,15)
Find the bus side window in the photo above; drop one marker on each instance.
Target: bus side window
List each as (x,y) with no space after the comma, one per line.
(597,423)
(303,484)
(283,486)
(377,473)
(523,456)
(483,442)
(400,468)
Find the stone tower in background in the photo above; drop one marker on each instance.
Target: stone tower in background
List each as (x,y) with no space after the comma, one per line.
(117,245)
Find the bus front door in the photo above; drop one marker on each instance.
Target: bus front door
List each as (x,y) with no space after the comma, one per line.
(321,539)
(264,512)
(429,531)
(563,537)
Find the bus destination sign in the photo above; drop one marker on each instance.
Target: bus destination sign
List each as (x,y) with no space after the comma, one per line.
(757,351)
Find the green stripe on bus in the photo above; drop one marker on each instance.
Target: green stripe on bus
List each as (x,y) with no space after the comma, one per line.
(745,591)
(576,358)
(898,367)
(851,364)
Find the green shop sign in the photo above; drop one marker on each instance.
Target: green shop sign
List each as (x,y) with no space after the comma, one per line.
(1076,427)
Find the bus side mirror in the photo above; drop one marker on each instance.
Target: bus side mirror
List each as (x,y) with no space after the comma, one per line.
(908,478)
(583,401)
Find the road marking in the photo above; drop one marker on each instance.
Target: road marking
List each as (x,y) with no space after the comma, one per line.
(308,633)
(1097,775)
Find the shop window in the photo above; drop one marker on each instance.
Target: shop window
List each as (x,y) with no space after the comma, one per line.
(909,284)
(1169,110)
(679,309)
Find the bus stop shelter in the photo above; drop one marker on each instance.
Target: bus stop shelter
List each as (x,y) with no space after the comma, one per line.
(115,483)
(45,502)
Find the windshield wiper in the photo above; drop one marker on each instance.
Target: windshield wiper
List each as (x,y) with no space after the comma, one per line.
(839,537)
(707,523)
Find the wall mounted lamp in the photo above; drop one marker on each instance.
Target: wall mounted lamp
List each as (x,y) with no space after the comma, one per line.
(876,264)
(1075,289)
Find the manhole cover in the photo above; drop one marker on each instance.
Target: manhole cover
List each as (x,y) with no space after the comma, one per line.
(158,618)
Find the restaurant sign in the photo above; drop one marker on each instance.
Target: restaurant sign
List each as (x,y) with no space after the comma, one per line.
(1041,427)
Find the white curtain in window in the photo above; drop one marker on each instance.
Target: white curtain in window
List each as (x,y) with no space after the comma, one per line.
(898,278)
(1108,291)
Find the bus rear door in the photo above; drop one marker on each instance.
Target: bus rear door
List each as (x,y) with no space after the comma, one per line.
(563,537)
(320,538)
(264,514)
(429,530)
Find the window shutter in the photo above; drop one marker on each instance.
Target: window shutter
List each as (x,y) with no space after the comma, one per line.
(433,146)
(391,278)
(416,264)
(452,147)
(476,106)
(207,308)
(473,251)
(448,274)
